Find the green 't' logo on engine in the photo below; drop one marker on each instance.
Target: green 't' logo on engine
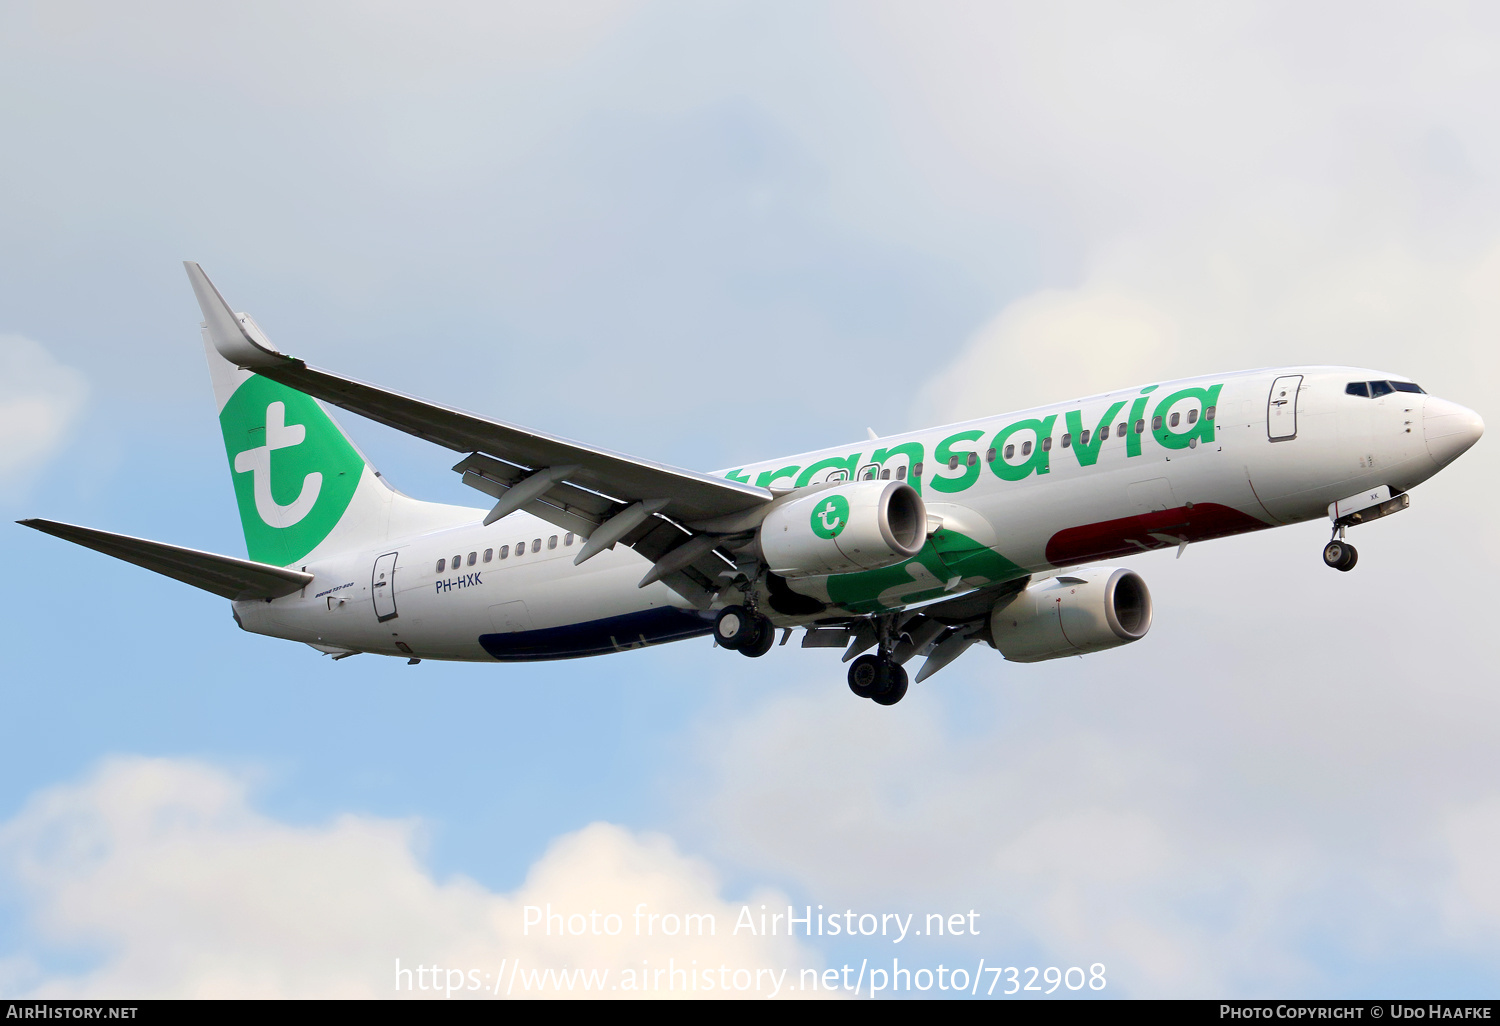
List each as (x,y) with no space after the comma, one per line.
(829,516)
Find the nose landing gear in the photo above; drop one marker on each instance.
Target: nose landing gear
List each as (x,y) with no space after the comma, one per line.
(1340,555)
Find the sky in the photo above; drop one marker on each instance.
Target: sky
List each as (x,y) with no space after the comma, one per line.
(708,233)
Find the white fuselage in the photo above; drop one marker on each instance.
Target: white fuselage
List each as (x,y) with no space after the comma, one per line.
(1008,512)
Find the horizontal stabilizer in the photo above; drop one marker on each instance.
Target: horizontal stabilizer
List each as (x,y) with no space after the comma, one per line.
(223,575)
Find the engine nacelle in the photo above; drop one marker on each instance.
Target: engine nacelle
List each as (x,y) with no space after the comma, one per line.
(859,525)
(1077,612)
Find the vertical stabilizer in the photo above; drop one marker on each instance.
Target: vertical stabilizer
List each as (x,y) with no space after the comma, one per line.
(300,483)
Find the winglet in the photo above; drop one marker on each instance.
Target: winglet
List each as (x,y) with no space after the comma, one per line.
(227,331)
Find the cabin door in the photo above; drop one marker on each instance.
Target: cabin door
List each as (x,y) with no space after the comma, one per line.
(1281,408)
(383,587)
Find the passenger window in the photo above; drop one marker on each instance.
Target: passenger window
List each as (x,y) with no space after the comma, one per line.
(989,455)
(1083,436)
(917,470)
(1208,414)
(1174,419)
(901,472)
(1025,448)
(520,548)
(1010,450)
(505,552)
(458,561)
(973,459)
(473,558)
(1408,386)
(1192,416)
(441,564)
(885,473)
(489,554)
(552,542)
(1122,428)
(1156,423)
(568,538)
(536,545)
(1067,440)
(1140,427)
(1359,388)
(952,462)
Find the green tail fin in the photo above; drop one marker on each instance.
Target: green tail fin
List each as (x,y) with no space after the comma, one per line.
(296,475)
(303,488)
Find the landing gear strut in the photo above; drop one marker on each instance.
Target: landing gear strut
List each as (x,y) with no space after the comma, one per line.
(744,631)
(877,676)
(1338,553)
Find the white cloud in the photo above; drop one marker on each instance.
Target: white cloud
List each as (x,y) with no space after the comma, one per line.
(1230,193)
(1052,344)
(330,52)
(39,398)
(1187,873)
(1474,898)
(163,867)
(1221,301)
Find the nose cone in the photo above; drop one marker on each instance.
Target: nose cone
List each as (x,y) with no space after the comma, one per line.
(1449,428)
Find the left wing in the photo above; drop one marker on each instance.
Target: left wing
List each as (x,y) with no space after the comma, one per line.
(223,575)
(602,495)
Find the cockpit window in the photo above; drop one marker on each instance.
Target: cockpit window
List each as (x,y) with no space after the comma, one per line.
(1376,389)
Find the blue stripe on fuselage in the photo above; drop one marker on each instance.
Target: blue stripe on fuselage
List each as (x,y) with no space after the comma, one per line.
(596,637)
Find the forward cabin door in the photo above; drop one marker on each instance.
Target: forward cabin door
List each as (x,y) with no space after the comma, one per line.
(1281,408)
(383,587)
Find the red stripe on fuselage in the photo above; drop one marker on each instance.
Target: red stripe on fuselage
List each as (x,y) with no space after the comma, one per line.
(1110,539)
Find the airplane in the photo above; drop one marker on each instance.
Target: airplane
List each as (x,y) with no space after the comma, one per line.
(923,544)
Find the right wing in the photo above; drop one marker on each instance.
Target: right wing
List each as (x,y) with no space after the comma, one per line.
(577,487)
(223,575)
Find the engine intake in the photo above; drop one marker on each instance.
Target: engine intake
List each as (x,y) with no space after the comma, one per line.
(860,525)
(1078,612)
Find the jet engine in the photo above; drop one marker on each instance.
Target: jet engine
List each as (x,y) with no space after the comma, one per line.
(1077,612)
(858,525)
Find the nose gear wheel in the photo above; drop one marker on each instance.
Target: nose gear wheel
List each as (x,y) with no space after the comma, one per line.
(1340,555)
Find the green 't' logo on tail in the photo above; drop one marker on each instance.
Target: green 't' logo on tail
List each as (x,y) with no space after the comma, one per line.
(294,471)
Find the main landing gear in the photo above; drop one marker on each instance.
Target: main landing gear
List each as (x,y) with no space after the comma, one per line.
(744,631)
(878,676)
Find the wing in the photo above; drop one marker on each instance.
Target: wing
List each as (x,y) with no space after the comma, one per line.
(223,575)
(593,492)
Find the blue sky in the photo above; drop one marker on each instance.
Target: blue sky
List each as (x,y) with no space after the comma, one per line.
(706,234)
